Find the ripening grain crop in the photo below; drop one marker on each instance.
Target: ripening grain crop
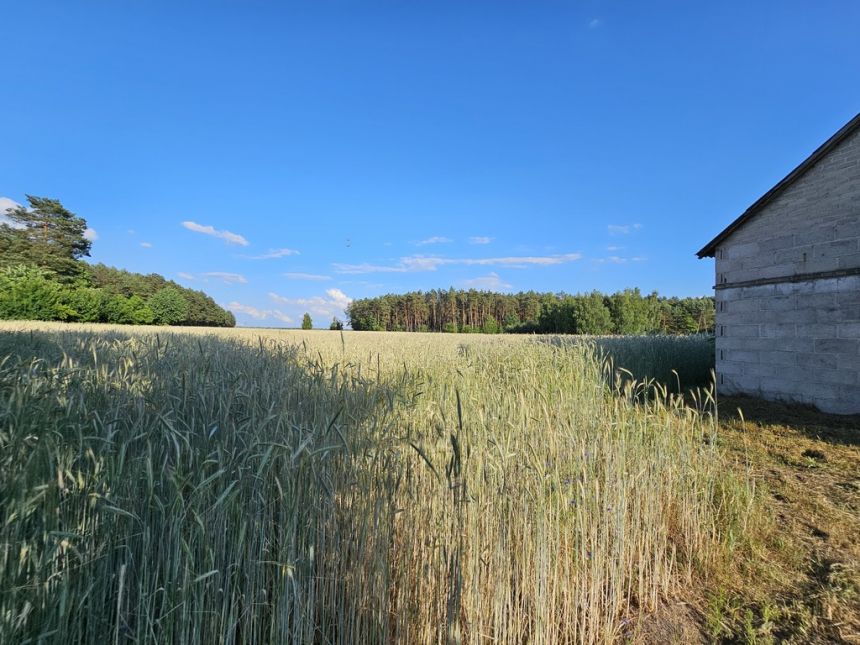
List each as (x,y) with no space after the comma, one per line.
(252,486)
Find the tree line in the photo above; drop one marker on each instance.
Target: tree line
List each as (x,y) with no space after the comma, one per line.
(472,311)
(43,277)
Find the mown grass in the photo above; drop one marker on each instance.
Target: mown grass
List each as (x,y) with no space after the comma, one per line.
(241,487)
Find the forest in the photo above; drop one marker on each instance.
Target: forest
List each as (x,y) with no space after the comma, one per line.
(472,311)
(43,277)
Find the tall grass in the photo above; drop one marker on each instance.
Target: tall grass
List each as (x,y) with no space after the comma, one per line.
(366,488)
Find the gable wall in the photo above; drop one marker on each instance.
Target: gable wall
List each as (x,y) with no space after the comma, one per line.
(796,341)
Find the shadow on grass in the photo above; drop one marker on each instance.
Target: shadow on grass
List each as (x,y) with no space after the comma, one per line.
(189,488)
(833,428)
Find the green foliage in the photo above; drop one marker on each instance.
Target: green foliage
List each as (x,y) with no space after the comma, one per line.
(127,311)
(307,323)
(631,313)
(45,279)
(45,235)
(87,303)
(491,326)
(168,306)
(27,293)
(336,325)
(626,312)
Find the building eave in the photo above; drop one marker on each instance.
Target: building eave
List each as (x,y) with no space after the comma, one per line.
(710,248)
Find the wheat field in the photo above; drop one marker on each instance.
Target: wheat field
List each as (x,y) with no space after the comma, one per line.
(256,486)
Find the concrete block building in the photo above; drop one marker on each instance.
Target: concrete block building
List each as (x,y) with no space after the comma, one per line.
(788,285)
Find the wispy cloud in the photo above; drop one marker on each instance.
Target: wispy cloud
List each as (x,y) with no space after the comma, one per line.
(333,303)
(416,263)
(623,229)
(259,314)
(614,248)
(490,282)
(90,234)
(227,236)
(312,277)
(227,278)
(272,254)
(186,276)
(146,245)
(480,239)
(615,259)
(437,239)
(594,23)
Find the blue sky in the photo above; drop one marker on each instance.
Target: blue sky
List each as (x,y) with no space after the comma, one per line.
(286,157)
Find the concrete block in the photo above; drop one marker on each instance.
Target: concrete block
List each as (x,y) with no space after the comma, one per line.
(758,369)
(805,316)
(797,344)
(835,249)
(779,242)
(729,368)
(836,345)
(813,361)
(772,357)
(742,331)
(849,261)
(741,356)
(749,304)
(847,313)
(746,250)
(850,228)
(848,284)
(842,377)
(849,330)
(778,303)
(817,330)
(778,330)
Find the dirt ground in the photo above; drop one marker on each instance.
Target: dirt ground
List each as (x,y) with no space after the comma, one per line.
(796,576)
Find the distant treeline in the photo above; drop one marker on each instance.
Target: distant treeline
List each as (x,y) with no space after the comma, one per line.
(624,312)
(42,277)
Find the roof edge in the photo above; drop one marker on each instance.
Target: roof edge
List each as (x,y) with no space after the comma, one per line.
(710,248)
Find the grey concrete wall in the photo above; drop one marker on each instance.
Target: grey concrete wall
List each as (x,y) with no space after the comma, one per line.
(793,341)
(796,341)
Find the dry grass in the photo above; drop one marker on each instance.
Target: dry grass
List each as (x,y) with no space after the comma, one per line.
(238,486)
(800,580)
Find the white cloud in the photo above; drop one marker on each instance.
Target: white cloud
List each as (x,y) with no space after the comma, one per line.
(614,248)
(259,314)
(146,245)
(623,229)
(272,254)
(490,282)
(228,278)
(339,298)
(437,239)
(227,236)
(424,263)
(307,276)
(615,259)
(594,23)
(90,234)
(7,204)
(334,304)
(480,239)
(186,276)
